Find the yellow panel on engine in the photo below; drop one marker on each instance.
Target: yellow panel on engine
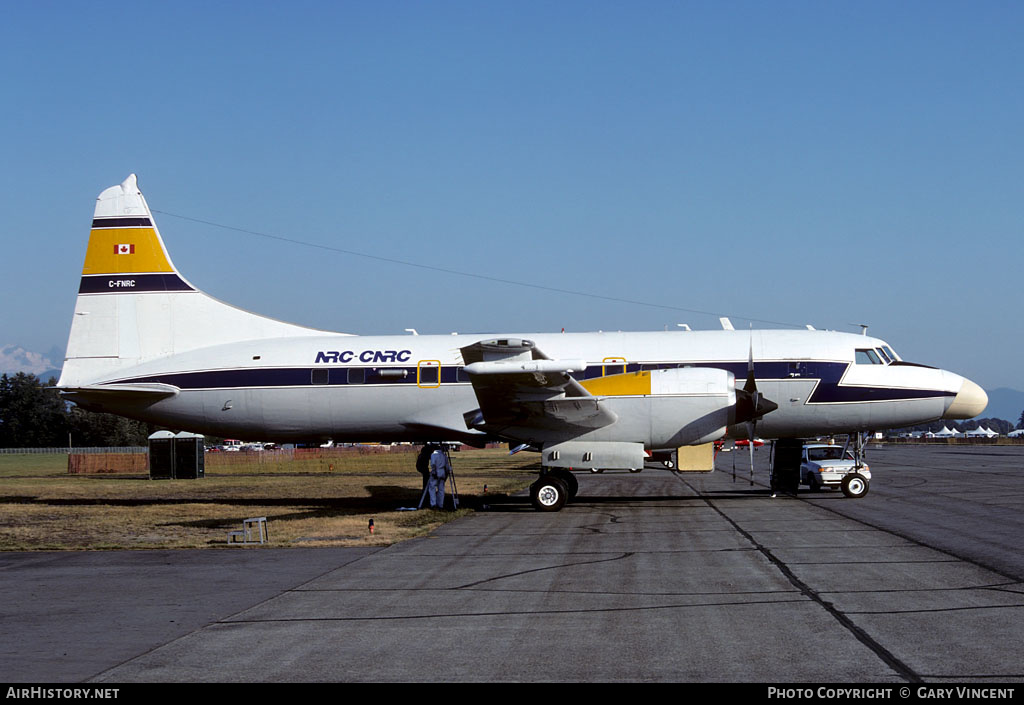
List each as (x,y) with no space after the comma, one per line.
(631,383)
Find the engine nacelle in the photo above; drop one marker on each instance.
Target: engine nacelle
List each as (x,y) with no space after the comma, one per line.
(666,408)
(690,406)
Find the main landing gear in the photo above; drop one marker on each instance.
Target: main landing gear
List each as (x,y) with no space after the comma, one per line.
(554,488)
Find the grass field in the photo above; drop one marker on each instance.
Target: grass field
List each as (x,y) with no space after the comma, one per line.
(325,501)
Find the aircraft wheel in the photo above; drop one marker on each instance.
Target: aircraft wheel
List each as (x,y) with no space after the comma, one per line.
(570,481)
(635,469)
(668,464)
(596,470)
(548,494)
(855,485)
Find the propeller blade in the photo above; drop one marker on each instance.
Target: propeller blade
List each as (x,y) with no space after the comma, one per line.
(751,405)
(751,385)
(750,446)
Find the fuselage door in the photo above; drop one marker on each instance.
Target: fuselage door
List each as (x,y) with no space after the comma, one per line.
(613,366)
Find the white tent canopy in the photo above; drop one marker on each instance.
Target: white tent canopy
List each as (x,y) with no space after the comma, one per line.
(981,431)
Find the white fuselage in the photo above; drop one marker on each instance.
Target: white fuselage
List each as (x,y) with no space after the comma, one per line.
(361,388)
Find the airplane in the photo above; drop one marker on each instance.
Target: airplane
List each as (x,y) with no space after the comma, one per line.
(148,344)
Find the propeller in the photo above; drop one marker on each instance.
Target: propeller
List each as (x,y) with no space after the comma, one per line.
(751,405)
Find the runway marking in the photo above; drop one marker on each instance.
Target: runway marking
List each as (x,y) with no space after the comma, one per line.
(894,561)
(596,610)
(538,570)
(941,609)
(545,591)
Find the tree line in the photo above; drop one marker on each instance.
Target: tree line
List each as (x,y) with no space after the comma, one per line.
(33,415)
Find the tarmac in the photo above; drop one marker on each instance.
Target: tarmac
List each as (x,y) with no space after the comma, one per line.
(654,576)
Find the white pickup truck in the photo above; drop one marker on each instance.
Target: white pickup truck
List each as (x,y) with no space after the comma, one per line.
(827,466)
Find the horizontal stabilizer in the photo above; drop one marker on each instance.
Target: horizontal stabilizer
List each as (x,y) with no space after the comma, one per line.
(147,390)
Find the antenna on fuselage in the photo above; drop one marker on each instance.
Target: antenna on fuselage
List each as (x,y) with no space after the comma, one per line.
(863,327)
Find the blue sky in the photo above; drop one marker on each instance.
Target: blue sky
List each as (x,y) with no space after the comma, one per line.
(829,163)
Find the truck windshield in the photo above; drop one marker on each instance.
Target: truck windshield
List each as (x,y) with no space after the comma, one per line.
(825,453)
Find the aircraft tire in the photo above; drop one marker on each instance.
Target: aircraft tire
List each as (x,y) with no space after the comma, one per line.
(636,469)
(571,483)
(548,494)
(855,485)
(596,470)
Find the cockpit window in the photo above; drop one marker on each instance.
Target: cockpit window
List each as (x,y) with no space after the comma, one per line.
(891,353)
(885,357)
(868,357)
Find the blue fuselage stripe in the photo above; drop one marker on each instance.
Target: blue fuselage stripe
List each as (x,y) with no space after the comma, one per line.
(826,374)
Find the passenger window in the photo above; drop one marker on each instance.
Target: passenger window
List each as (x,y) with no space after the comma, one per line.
(356,375)
(319,376)
(461,375)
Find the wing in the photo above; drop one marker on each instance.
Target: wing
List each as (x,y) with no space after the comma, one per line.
(525,395)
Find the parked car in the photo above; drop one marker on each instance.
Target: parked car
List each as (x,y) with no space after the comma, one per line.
(825,465)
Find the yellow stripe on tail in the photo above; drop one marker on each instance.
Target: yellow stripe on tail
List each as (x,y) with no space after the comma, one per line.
(124,251)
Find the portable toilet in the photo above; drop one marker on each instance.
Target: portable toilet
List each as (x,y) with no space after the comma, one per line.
(161,456)
(189,456)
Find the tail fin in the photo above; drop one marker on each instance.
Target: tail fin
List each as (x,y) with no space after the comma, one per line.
(133,304)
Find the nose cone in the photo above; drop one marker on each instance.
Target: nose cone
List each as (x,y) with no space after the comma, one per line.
(970,401)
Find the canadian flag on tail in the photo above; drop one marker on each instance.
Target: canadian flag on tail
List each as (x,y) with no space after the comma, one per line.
(124,249)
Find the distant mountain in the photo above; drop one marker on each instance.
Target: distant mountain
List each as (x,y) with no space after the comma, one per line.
(15,359)
(1004,403)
